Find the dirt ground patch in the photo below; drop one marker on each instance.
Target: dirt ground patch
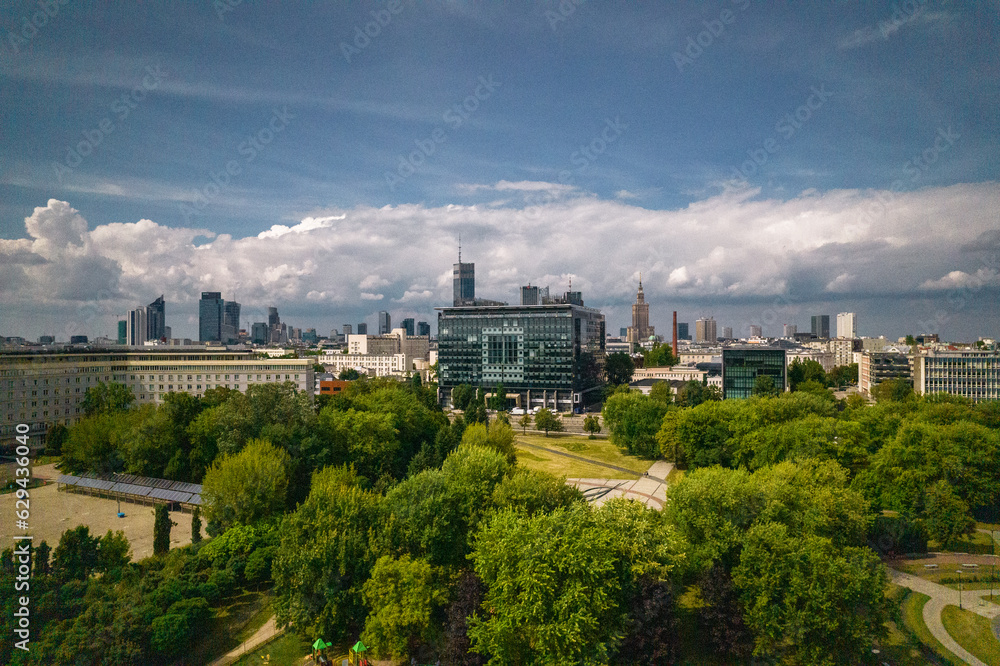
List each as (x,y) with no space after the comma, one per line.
(54,511)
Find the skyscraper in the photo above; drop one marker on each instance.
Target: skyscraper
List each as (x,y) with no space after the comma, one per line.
(210,316)
(122,331)
(363,328)
(529,295)
(259,333)
(789,331)
(136,326)
(704,330)
(407,325)
(156,322)
(756,330)
(423,328)
(347,329)
(727,332)
(821,326)
(463,281)
(230,321)
(683,332)
(384,322)
(847,325)
(640,329)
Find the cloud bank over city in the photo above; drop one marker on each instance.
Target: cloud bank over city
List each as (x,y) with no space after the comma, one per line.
(755,162)
(732,249)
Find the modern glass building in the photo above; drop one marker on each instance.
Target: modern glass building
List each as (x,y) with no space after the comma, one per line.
(821,326)
(210,316)
(156,319)
(544,355)
(463,283)
(742,365)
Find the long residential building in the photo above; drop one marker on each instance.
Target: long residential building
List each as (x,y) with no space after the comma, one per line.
(877,367)
(971,374)
(379,365)
(41,390)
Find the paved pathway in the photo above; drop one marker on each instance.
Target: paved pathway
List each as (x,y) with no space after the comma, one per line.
(576,457)
(941,596)
(650,489)
(262,635)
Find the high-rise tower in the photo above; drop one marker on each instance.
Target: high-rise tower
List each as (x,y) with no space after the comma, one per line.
(640,329)
(463,281)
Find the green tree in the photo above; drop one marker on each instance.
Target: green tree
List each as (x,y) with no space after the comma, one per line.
(694,393)
(55,438)
(499,437)
(662,392)
(618,368)
(248,486)
(524,422)
(42,565)
(161,529)
(946,516)
(659,356)
(196,525)
(842,375)
(113,552)
(807,601)
(910,340)
(532,491)
(349,374)
(475,412)
(76,555)
(546,420)
(107,398)
(498,401)
(592,425)
(807,370)
(893,390)
(405,596)
(764,386)
(632,420)
(462,395)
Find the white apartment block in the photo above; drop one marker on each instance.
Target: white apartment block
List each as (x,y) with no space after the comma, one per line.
(847,325)
(379,365)
(821,356)
(44,389)
(677,373)
(971,374)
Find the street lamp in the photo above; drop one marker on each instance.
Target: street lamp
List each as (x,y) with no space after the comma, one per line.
(959,572)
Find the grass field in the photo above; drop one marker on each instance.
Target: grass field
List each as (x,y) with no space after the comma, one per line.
(236,620)
(976,543)
(287,649)
(913,620)
(600,450)
(972,632)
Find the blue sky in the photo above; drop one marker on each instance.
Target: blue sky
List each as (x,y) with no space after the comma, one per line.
(759,162)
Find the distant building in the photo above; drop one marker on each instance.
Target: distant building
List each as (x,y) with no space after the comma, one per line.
(122,331)
(46,339)
(210,316)
(362,328)
(705,330)
(544,355)
(877,367)
(156,319)
(789,331)
(423,328)
(412,347)
(727,332)
(529,295)
(378,365)
(230,330)
(741,366)
(623,332)
(756,331)
(310,335)
(683,333)
(640,329)
(847,325)
(259,333)
(463,282)
(970,374)
(843,349)
(78,339)
(136,326)
(821,326)
(408,325)
(384,322)
(347,329)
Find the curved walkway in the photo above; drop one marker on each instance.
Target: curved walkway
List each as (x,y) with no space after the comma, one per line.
(941,596)
(650,489)
(581,458)
(264,634)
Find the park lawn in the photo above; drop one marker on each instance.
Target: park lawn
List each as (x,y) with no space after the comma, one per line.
(975,544)
(287,649)
(913,619)
(901,646)
(972,632)
(600,450)
(543,461)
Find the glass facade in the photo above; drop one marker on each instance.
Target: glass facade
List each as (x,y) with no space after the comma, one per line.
(742,366)
(540,348)
(210,316)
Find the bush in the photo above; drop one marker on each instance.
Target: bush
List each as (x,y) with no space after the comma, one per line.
(224,581)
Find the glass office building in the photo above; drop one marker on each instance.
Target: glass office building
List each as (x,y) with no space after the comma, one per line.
(742,365)
(544,355)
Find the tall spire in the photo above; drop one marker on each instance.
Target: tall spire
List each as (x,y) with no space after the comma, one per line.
(460,248)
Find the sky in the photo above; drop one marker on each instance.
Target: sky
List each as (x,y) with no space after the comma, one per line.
(754,162)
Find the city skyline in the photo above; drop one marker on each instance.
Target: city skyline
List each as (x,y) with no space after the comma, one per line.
(783,162)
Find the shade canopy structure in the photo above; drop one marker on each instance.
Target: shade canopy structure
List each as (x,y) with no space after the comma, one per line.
(359,647)
(320,644)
